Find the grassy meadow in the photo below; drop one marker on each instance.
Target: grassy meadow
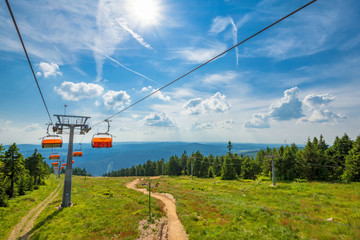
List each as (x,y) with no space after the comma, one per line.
(103,208)
(215,209)
(21,205)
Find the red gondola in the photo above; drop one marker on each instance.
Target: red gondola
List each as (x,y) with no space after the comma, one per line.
(55,164)
(62,168)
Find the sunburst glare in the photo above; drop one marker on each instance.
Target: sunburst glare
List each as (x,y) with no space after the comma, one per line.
(147,12)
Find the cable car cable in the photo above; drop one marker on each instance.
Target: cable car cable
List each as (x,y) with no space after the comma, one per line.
(27,56)
(212,59)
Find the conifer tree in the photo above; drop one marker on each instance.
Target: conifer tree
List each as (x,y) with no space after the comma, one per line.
(352,163)
(13,167)
(227,170)
(211,173)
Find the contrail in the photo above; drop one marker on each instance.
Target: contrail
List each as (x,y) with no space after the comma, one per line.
(120,64)
(134,34)
(235,39)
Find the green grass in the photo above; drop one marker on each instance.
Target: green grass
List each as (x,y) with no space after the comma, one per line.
(21,205)
(103,208)
(218,209)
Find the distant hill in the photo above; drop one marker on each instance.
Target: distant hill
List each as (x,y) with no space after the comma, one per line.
(123,155)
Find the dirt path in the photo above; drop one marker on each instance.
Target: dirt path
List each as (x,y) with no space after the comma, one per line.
(176,230)
(22,229)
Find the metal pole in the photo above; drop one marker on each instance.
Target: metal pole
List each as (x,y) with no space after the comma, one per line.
(59,169)
(66,200)
(149,200)
(192,168)
(273,170)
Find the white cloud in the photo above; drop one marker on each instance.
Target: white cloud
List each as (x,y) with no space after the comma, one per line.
(159,94)
(220,78)
(158,120)
(110,32)
(220,24)
(259,120)
(146,89)
(291,107)
(124,129)
(288,107)
(318,105)
(199,55)
(227,124)
(322,116)
(313,100)
(76,91)
(33,127)
(116,99)
(49,69)
(201,126)
(216,103)
(4,125)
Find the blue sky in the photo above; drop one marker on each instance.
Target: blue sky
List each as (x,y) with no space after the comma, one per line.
(297,80)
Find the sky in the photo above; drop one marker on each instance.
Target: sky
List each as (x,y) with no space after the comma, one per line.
(299,79)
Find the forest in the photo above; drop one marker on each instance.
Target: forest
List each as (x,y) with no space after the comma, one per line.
(18,175)
(317,161)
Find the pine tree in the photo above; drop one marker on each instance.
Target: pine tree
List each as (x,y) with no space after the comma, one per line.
(13,167)
(310,157)
(287,170)
(3,196)
(229,147)
(211,173)
(183,163)
(217,166)
(228,171)
(352,163)
(337,154)
(204,169)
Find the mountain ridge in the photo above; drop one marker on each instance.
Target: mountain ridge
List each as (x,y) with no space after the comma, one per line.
(98,161)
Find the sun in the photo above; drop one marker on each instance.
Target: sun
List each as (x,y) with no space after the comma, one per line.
(147,12)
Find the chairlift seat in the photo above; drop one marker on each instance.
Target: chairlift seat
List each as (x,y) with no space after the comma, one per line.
(77,154)
(54,156)
(52,141)
(101,141)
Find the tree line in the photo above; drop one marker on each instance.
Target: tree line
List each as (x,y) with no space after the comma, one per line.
(315,161)
(80,172)
(18,175)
